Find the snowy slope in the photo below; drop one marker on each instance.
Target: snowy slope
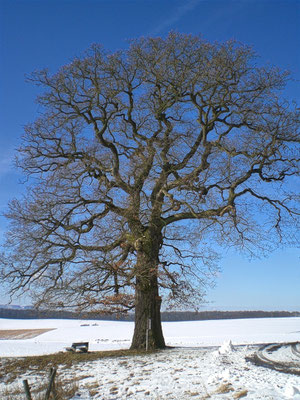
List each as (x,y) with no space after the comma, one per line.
(104,335)
(203,362)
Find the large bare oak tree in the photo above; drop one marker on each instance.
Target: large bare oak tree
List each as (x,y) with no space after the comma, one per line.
(140,165)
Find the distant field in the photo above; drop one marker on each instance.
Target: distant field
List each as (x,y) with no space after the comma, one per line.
(18,334)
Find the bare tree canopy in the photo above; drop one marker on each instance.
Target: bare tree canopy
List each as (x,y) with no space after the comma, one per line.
(142,163)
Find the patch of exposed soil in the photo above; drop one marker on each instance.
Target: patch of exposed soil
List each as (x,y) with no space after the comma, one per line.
(19,334)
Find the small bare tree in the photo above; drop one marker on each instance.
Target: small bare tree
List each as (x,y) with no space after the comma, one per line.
(143,162)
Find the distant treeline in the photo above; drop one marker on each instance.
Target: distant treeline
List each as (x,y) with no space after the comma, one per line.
(206,315)
(166,316)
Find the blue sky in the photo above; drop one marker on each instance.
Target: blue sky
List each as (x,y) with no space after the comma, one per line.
(47,33)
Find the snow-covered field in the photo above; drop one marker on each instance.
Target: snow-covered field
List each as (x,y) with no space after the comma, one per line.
(202,363)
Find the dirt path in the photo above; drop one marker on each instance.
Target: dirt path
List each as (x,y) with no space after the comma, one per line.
(283,357)
(19,334)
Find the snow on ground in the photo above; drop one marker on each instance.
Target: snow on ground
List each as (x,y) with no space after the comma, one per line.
(102,335)
(208,358)
(110,335)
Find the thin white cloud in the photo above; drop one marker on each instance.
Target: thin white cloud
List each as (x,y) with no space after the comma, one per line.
(175,16)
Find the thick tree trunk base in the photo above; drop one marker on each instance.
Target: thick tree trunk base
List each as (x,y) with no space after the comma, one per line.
(148,333)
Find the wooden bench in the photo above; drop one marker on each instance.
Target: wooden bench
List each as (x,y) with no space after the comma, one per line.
(82,347)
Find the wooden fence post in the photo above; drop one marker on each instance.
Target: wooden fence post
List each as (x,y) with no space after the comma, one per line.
(53,370)
(51,383)
(27,390)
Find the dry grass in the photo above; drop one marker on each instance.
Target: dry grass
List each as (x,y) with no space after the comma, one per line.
(64,391)
(227,388)
(224,388)
(12,368)
(18,334)
(239,395)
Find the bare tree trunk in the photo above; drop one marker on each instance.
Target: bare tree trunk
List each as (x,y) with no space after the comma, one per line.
(147,317)
(148,330)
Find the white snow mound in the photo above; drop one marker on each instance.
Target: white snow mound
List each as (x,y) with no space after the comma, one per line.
(226,347)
